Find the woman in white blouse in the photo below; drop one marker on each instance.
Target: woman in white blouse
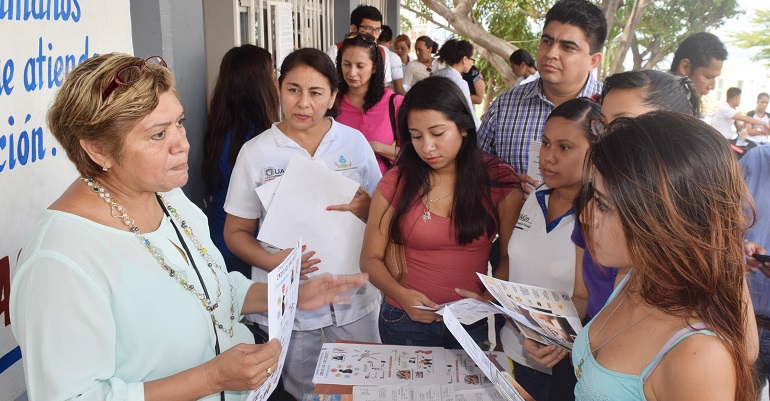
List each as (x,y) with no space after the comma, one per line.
(425,64)
(457,55)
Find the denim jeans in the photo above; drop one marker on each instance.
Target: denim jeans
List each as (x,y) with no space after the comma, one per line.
(397,328)
(763,361)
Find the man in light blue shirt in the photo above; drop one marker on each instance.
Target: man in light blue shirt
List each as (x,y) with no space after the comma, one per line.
(756,165)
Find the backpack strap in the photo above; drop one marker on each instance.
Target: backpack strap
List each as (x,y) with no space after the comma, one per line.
(392,113)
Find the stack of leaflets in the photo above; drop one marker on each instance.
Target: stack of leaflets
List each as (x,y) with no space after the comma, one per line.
(543,315)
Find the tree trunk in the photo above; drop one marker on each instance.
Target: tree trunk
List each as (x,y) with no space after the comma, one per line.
(489,96)
(501,64)
(610,8)
(628,34)
(460,20)
(638,59)
(655,58)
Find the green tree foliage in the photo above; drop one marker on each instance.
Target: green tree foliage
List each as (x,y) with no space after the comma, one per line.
(517,24)
(508,20)
(760,38)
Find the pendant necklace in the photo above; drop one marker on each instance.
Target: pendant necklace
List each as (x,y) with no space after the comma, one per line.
(579,369)
(426,213)
(118,212)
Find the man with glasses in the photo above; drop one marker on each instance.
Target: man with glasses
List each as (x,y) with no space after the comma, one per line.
(368,19)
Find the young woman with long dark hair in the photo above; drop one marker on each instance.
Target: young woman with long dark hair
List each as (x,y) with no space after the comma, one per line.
(441,207)
(242,106)
(540,250)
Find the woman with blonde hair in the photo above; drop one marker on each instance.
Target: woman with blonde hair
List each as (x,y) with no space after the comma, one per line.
(401,46)
(123,264)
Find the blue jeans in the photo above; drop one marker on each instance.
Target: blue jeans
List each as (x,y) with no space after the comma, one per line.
(397,328)
(763,361)
(537,383)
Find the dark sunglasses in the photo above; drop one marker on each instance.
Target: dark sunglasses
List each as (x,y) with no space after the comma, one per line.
(363,36)
(130,74)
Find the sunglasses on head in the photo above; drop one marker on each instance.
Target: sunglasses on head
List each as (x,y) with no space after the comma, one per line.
(130,74)
(363,36)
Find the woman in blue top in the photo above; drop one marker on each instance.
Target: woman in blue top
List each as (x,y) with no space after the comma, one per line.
(666,203)
(243,105)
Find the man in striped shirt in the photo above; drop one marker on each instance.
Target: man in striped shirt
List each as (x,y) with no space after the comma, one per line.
(570,49)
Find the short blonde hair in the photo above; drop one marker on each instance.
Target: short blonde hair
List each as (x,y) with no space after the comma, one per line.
(403,38)
(79,113)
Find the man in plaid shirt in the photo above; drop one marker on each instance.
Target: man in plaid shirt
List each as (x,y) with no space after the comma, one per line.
(570,49)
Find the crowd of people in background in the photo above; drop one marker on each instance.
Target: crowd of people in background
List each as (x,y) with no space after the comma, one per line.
(654,222)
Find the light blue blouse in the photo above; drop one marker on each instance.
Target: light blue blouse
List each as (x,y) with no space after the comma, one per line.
(96,315)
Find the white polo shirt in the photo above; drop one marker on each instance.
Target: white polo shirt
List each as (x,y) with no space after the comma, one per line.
(265,158)
(541,255)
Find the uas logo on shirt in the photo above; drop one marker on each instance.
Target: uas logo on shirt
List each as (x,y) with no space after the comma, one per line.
(524,222)
(272,173)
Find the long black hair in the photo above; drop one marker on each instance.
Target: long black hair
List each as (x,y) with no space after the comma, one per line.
(473,213)
(376,90)
(244,103)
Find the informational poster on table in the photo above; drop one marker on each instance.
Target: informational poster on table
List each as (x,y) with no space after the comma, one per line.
(42,42)
(376,364)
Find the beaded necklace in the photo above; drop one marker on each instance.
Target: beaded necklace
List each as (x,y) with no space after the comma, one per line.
(118,212)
